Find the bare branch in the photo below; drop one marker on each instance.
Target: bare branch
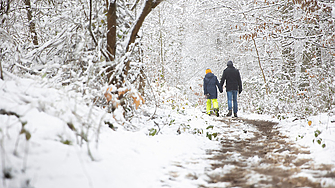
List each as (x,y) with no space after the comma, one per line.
(149,5)
(92,35)
(134,5)
(1,74)
(260,66)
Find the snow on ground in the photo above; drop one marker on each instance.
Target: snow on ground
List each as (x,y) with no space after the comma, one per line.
(51,138)
(319,136)
(48,153)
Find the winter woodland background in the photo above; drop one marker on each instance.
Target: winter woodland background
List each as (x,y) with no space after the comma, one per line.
(284,49)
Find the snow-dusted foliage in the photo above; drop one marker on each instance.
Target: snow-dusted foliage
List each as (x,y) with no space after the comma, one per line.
(284,50)
(72,114)
(294,41)
(65,52)
(70,49)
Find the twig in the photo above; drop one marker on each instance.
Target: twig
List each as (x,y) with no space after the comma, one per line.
(1,75)
(4,112)
(260,66)
(134,5)
(3,157)
(91,32)
(153,95)
(85,171)
(25,159)
(159,129)
(98,131)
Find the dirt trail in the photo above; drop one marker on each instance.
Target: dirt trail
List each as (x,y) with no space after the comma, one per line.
(265,159)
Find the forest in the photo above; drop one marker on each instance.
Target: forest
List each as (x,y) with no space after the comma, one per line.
(284,49)
(133,58)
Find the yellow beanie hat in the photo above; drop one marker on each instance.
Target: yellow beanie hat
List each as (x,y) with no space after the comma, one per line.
(208,71)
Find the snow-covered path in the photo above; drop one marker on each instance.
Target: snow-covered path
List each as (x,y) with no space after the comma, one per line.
(258,156)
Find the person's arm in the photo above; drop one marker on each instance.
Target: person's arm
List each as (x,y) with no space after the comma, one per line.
(223,79)
(219,85)
(239,82)
(205,88)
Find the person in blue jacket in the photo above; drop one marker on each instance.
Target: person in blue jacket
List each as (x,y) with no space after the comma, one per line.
(210,91)
(232,77)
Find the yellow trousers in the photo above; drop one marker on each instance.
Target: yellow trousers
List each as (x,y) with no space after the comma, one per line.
(209,105)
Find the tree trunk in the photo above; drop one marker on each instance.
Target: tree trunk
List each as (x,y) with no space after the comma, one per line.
(32,26)
(1,74)
(111,37)
(111,27)
(161,47)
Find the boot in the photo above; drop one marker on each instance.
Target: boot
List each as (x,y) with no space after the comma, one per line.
(235,115)
(229,113)
(216,110)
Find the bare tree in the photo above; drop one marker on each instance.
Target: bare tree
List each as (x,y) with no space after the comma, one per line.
(1,74)
(149,5)
(118,72)
(112,22)
(111,30)
(32,26)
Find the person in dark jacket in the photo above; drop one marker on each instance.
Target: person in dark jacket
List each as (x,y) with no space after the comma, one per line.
(232,77)
(210,91)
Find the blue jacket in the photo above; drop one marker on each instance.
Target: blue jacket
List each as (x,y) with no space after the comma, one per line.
(210,83)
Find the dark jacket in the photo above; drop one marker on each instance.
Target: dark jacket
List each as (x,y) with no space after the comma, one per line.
(233,79)
(210,83)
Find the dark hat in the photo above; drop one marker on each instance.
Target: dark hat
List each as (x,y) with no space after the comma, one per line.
(230,63)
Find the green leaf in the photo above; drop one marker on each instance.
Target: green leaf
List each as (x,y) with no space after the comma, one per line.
(172,121)
(152,132)
(44,75)
(209,136)
(210,127)
(317,133)
(67,142)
